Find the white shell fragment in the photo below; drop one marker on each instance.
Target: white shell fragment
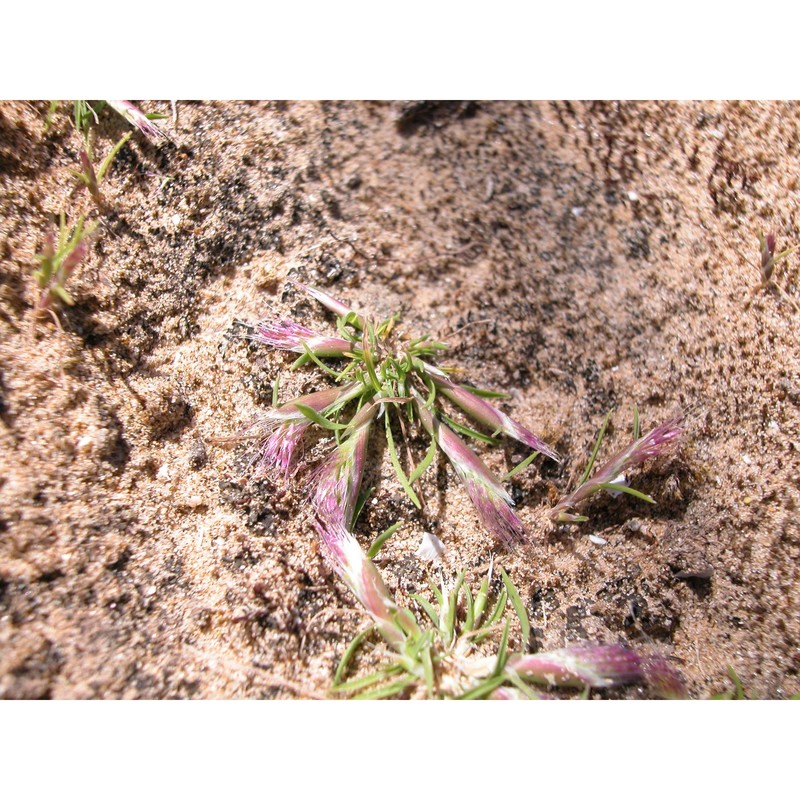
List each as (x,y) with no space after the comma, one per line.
(595,539)
(430,548)
(620,480)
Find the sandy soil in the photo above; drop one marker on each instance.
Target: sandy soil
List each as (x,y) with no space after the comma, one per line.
(582,257)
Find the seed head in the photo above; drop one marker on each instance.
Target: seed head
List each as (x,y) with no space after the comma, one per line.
(361,575)
(491,500)
(289,335)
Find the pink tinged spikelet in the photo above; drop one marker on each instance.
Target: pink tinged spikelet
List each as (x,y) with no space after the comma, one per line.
(131,113)
(331,303)
(289,335)
(597,666)
(492,502)
(600,667)
(663,680)
(280,443)
(486,413)
(279,449)
(338,480)
(362,576)
(653,444)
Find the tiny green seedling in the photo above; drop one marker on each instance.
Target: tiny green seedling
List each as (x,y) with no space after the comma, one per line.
(58,261)
(88,176)
(611,477)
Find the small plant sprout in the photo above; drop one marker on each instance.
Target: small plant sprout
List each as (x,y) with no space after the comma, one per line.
(611,477)
(393,378)
(768,257)
(87,174)
(438,654)
(58,261)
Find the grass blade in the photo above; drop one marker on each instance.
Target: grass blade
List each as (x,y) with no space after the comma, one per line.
(620,487)
(428,609)
(588,471)
(318,419)
(465,431)
(425,463)
(348,655)
(383,692)
(484,688)
(502,652)
(381,539)
(401,476)
(521,466)
(519,607)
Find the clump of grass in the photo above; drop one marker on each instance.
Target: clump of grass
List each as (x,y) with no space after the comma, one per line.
(58,261)
(394,379)
(611,476)
(438,654)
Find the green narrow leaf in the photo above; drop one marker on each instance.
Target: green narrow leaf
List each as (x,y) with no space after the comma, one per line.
(62,294)
(48,120)
(737,684)
(464,430)
(484,688)
(521,685)
(497,612)
(110,157)
(300,362)
(401,476)
(436,593)
(427,666)
(425,463)
(521,466)
(593,458)
(275,390)
(367,342)
(519,607)
(619,487)
(486,393)
(452,609)
(324,367)
(360,683)
(502,652)
(480,601)
(381,539)
(469,618)
(348,655)
(317,418)
(383,692)
(427,608)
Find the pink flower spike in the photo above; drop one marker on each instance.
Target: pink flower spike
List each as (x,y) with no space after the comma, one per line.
(492,502)
(486,413)
(131,113)
(338,480)
(279,449)
(289,335)
(600,666)
(597,666)
(281,429)
(653,444)
(361,575)
(331,303)
(664,681)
